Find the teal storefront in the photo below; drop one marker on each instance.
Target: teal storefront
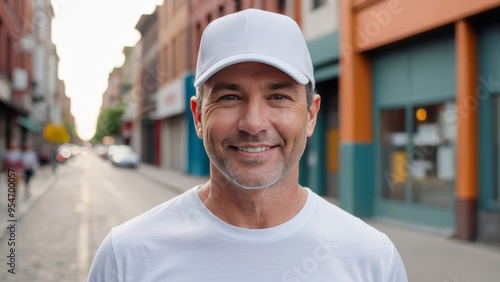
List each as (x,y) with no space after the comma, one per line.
(414,118)
(489,131)
(198,162)
(318,166)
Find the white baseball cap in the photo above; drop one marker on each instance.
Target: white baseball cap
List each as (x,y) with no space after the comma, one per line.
(254,35)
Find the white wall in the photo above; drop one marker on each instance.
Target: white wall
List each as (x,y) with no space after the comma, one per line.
(173,142)
(320,21)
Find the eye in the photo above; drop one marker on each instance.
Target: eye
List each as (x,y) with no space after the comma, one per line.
(278,97)
(228,97)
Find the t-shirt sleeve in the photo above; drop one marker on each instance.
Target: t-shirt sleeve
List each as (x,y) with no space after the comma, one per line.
(396,271)
(104,265)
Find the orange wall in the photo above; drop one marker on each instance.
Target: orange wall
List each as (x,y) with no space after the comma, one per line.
(355,84)
(467,132)
(378,23)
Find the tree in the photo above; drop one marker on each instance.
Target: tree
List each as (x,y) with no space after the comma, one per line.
(108,123)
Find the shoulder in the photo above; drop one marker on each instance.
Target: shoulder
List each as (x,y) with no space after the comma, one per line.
(360,248)
(349,230)
(156,222)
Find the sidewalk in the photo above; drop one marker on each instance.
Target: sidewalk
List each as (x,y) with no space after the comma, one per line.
(173,180)
(43,179)
(428,255)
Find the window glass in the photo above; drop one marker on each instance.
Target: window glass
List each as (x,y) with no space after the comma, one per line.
(394,140)
(318,3)
(495,131)
(432,160)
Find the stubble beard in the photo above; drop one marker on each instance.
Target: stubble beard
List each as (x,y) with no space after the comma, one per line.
(253,179)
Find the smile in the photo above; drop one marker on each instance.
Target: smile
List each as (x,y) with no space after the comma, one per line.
(253,150)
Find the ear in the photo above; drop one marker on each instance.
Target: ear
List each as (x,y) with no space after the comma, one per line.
(312,114)
(197,117)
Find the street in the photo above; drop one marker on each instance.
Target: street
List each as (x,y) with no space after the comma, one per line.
(57,239)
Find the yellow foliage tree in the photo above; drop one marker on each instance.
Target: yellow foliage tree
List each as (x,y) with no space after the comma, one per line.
(56,133)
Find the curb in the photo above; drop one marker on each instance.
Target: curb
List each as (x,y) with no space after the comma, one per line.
(159,176)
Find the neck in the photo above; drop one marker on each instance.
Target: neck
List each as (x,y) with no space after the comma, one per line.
(253,209)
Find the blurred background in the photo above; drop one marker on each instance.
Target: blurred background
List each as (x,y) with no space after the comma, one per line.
(408,136)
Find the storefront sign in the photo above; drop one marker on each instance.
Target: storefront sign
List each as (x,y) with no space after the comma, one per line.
(170,100)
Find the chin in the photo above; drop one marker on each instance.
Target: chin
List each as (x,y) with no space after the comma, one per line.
(255,186)
(267,182)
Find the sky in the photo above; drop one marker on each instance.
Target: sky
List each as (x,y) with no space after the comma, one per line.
(89,36)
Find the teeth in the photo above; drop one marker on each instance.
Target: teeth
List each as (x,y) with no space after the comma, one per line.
(253,150)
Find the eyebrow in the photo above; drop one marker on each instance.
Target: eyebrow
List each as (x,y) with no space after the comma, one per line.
(225,86)
(282,85)
(235,87)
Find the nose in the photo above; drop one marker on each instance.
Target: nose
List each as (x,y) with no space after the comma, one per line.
(254,117)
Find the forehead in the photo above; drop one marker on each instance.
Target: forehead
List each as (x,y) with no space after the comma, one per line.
(250,72)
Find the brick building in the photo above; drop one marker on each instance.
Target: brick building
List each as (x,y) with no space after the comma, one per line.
(15,71)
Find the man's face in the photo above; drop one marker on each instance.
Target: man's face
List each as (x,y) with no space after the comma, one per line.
(254,122)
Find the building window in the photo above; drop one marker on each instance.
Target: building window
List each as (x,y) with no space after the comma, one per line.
(199,33)
(221,11)
(421,159)
(432,162)
(174,63)
(282,6)
(394,142)
(495,132)
(10,52)
(164,70)
(318,3)
(238,5)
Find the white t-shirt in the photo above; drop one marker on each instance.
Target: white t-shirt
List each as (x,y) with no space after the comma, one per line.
(182,241)
(30,160)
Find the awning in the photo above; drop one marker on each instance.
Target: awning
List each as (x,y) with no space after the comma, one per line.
(326,72)
(13,107)
(29,124)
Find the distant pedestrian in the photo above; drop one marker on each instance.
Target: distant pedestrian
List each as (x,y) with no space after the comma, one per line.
(252,221)
(30,162)
(13,164)
(53,157)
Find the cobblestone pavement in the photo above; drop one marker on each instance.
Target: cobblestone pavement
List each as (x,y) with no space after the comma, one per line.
(57,239)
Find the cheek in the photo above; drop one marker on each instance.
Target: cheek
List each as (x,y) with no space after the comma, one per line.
(291,125)
(218,124)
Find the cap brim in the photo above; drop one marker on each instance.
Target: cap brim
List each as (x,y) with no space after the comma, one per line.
(252,57)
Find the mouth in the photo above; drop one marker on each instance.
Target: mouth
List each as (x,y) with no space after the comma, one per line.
(253,149)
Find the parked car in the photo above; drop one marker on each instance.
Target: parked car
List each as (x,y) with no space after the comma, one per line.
(101,151)
(123,155)
(66,151)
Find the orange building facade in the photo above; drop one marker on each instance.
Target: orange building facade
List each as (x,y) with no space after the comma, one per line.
(419,123)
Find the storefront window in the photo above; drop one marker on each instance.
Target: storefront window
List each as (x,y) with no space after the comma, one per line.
(394,141)
(495,131)
(432,160)
(318,3)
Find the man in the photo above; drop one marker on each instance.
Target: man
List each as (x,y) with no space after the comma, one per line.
(254,109)
(30,163)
